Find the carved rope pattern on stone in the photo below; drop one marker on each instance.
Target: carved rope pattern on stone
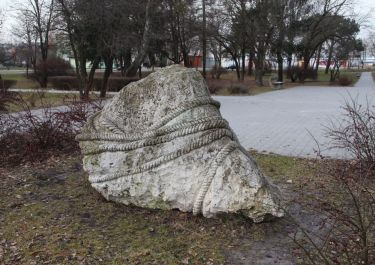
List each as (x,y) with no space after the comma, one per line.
(216,127)
(150,134)
(185,107)
(230,147)
(217,124)
(196,144)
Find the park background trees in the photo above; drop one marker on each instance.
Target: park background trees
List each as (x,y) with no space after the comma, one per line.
(257,35)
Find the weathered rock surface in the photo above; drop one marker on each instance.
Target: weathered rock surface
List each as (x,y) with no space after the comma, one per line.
(162,143)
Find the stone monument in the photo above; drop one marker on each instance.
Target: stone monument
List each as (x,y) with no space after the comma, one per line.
(162,143)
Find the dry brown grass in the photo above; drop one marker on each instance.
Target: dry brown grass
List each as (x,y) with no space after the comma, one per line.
(224,86)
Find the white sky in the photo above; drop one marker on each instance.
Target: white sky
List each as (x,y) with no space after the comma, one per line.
(366,9)
(362,9)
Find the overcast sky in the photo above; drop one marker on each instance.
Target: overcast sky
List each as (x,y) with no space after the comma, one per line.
(363,8)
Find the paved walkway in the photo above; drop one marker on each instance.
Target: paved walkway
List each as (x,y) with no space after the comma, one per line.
(281,121)
(55,91)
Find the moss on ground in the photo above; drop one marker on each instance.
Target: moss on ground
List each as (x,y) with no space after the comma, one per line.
(49,214)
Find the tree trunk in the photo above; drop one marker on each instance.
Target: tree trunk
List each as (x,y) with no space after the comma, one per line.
(238,72)
(250,65)
(318,61)
(140,72)
(290,59)
(220,56)
(27,68)
(82,71)
(107,73)
(259,77)
(330,53)
(185,55)
(34,54)
(127,61)
(305,67)
(90,80)
(132,70)
(259,69)
(43,78)
(243,68)
(77,64)
(204,38)
(280,67)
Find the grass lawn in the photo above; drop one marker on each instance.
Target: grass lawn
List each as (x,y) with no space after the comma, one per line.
(228,81)
(227,85)
(51,215)
(14,77)
(20,81)
(323,77)
(39,100)
(42,100)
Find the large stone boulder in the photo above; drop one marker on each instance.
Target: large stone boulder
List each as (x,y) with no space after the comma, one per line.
(162,143)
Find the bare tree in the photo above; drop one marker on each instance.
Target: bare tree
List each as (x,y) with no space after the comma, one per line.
(146,40)
(370,43)
(320,26)
(285,15)
(1,19)
(230,32)
(25,31)
(2,53)
(39,17)
(182,29)
(204,37)
(80,21)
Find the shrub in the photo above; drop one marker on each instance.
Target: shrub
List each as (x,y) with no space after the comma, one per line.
(232,87)
(55,67)
(217,71)
(297,73)
(345,80)
(34,136)
(268,69)
(355,133)
(6,97)
(28,137)
(114,84)
(52,67)
(71,83)
(346,198)
(64,82)
(345,210)
(238,89)
(214,85)
(6,84)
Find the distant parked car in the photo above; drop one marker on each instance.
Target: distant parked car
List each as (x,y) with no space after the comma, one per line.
(231,67)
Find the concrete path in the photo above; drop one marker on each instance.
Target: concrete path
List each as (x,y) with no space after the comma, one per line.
(286,121)
(54,91)
(281,121)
